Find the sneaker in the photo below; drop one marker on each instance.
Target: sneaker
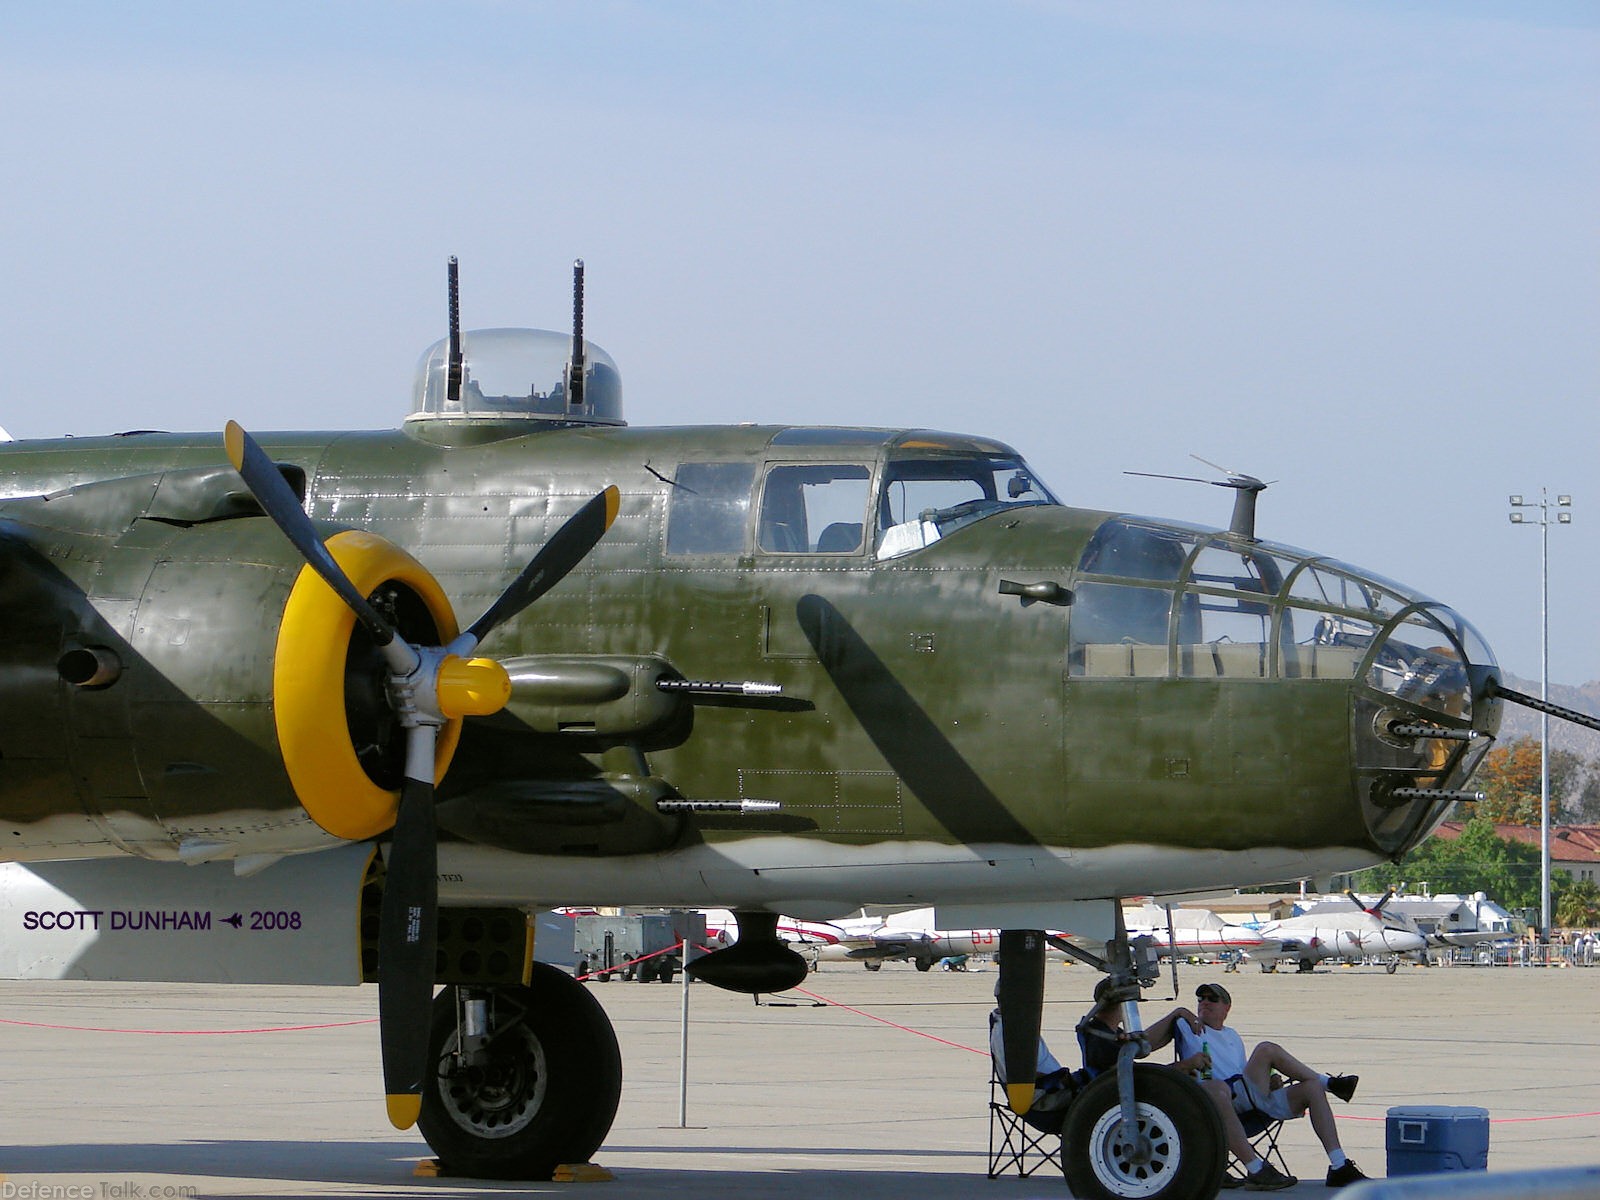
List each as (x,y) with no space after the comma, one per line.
(1269,1179)
(1343,1086)
(1340,1176)
(1230,1181)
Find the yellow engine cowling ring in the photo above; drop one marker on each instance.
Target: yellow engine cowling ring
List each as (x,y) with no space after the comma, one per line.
(309,689)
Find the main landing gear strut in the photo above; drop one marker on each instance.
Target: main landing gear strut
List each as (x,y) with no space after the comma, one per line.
(1142,1132)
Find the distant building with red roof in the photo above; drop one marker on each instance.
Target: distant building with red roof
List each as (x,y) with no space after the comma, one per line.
(1574,848)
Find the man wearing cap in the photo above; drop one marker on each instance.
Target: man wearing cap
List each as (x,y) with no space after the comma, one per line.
(1239,1084)
(1100,1033)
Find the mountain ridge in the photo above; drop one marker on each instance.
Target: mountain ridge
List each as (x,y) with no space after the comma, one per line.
(1517,721)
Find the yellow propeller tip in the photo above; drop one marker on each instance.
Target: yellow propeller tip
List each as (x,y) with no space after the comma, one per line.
(1019,1096)
(403,1109)
(613,503)
(233,440)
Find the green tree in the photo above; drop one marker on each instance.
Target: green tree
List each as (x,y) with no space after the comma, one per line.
(1575,903)
(1477,861)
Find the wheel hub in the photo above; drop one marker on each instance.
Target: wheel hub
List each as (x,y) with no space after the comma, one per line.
(499,1096)
(1116,1167)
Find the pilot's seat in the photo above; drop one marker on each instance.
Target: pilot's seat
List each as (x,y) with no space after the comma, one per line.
(842,537)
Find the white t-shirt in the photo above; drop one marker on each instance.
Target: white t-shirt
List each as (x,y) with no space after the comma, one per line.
(1225,1046)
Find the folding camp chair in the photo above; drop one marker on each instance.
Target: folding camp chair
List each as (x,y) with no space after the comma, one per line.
(1262,1132)
(1021,1143)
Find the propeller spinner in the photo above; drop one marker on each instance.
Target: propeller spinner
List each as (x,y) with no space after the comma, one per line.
(428,688)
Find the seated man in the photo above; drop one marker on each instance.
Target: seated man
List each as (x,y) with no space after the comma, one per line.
(1101,1036)
(1237,1084)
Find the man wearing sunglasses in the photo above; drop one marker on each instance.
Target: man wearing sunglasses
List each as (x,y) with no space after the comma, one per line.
(1238,1084)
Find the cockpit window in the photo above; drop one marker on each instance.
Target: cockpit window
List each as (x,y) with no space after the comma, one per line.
(814,509)
(710,508)
(924,499)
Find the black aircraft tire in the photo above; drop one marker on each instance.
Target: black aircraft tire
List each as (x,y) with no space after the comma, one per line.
(1174,1112)
(924,964)
(547,1094)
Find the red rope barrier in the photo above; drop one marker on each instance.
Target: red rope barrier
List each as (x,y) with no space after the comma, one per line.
(191,1032)
(884,1021)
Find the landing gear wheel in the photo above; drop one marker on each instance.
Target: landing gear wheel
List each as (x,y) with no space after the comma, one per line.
(542,1092)
(873,966)
(924,964)
(1306,966)
(1392,965)
(1187,1148)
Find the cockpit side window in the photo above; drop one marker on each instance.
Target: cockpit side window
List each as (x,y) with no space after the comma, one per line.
(710,508)
(814,509)
(924,499)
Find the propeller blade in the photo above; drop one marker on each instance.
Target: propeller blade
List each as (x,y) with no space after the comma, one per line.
(407,937)
(278,501)
(547,568)
(1020,992)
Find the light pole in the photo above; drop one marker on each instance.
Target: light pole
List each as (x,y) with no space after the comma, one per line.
(1543,521)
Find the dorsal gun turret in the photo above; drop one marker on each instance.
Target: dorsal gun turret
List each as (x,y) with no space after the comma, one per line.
(485,385)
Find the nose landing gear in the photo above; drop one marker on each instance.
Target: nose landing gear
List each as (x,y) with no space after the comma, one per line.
(1136,1133)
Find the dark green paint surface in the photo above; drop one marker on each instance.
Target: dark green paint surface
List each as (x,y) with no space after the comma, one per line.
(919,702)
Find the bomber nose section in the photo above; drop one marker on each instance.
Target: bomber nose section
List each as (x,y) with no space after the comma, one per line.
(1422,717)
(1333,708)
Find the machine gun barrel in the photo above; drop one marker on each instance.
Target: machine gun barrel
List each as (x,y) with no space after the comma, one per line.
(1496,688)
(1400,794)
(710,687)
(1435,731)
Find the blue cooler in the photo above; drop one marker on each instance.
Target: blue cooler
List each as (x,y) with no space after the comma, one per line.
(1427,1139)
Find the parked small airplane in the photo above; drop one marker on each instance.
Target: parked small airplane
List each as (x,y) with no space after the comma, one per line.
(912,937)
(809,937)
(1355,933)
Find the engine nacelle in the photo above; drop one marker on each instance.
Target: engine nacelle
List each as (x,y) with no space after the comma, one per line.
(608,696)
(220,700)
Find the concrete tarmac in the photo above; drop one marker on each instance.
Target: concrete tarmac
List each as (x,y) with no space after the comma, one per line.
(140,1092)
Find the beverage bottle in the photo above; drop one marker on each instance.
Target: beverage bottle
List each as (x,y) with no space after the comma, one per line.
(1205,1048)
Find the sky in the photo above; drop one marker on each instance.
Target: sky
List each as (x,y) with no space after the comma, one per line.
(1351,248)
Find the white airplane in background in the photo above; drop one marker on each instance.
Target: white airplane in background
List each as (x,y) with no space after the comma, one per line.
(1347,933)
(1188,931)
(911,936)
(722,930)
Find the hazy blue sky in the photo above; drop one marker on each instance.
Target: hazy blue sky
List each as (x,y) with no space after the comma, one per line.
(1350,247)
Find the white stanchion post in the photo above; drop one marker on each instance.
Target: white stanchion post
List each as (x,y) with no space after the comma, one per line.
(683,1044)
